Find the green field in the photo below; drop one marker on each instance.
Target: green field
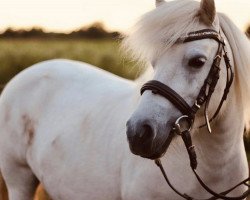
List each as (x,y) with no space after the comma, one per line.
(17,54)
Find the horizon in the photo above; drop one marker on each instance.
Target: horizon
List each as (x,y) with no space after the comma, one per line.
(44,30)
(116,15)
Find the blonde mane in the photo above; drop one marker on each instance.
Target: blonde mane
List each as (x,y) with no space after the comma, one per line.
(240,47)
(160,28)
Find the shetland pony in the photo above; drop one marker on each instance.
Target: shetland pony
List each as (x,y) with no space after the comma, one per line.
(63,123)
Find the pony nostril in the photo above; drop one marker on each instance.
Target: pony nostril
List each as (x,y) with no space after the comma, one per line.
(146,132)
(140,137)
(140,133)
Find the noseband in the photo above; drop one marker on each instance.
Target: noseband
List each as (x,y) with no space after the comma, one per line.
(189,112)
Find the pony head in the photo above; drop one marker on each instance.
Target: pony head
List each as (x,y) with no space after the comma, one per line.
(181,66)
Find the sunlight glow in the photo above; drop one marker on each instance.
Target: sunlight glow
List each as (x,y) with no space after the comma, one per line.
(66,15)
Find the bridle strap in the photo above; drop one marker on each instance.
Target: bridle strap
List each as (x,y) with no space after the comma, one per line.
(222,195)
(159,88)
(185,196)
(193,164)
(230,78)
(216,196)
(210,83)
(204,95)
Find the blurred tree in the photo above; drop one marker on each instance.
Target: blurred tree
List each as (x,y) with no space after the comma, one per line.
(248,31)
(22,33)
(9,32)
(95,30)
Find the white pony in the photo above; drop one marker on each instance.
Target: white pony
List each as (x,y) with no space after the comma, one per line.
(63,123)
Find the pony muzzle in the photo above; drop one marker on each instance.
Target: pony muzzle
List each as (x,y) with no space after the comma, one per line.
(146,141)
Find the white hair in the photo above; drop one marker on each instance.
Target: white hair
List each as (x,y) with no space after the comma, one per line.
(240,46)
(160,28)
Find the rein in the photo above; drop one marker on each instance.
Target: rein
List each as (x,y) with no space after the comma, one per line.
(189,112)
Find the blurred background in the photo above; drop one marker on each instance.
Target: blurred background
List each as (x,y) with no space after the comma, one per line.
(86,30)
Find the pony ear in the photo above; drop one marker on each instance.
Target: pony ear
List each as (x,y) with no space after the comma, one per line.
(207,11)
(159,2)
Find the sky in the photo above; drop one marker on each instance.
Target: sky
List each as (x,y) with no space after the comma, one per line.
(67,15)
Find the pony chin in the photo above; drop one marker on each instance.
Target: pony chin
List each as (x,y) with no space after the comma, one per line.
(162,151)
(157,154)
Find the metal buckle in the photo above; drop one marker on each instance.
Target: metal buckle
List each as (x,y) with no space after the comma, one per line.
(197,105)
(217,56)
(177,127)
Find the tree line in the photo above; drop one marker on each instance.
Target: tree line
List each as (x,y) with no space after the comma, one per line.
(96,30)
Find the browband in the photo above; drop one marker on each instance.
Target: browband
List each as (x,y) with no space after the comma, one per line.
(202,34)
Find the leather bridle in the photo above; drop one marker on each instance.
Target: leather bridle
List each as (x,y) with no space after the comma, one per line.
(189,112)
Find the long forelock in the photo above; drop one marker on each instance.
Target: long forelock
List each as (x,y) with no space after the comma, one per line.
(159,29)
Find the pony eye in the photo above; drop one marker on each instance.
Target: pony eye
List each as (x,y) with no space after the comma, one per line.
(197,62)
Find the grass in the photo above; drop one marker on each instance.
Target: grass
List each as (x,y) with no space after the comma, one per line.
(17,54)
